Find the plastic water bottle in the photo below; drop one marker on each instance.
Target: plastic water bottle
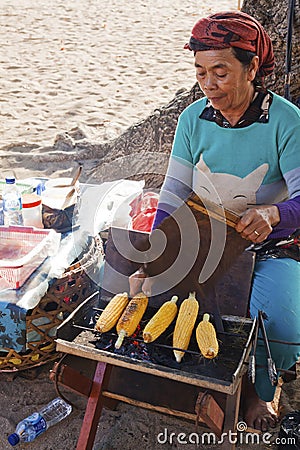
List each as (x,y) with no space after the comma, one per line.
(38,422)
(12,203)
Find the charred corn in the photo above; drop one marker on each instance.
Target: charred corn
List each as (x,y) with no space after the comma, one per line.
(207,338)
(131,317)
(112,312)
(184,326)
(161,320)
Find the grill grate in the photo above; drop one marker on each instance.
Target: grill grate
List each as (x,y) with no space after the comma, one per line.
(233,341)
(77,336)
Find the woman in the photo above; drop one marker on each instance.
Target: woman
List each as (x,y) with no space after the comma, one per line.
(239,146)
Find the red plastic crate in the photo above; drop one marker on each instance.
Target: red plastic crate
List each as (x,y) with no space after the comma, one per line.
(22,250)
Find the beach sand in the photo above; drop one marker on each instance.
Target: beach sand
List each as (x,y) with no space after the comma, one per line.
(100,67)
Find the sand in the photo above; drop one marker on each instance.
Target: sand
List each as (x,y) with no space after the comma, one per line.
(101,67)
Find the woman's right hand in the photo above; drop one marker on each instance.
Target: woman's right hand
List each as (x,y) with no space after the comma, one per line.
(257,223)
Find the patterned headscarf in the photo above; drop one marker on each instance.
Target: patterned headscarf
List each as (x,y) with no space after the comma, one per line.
(233,29)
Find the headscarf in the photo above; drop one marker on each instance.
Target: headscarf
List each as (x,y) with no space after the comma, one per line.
(234,29)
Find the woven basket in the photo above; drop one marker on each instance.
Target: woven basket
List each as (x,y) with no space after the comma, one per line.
(63,296)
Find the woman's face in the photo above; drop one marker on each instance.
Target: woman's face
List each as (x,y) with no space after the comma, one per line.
(224,80)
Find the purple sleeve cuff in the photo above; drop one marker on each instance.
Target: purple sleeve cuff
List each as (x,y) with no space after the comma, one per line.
(162,212)
(289,213)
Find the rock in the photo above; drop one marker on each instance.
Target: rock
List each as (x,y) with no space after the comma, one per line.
(64,142)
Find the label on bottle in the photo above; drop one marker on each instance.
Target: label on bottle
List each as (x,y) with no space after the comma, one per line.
(38,423)
(12,203)
(12,208)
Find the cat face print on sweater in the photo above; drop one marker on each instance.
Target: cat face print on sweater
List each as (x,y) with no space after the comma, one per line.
(232,192)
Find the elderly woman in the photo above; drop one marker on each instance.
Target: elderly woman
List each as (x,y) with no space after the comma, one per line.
(239,146)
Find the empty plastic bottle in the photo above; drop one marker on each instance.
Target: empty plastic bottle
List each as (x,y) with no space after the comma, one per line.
(12,203)
(38,422)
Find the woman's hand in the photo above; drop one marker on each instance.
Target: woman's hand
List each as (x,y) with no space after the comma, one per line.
(257,223)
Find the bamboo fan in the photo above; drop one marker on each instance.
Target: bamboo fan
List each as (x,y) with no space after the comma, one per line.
(213,210)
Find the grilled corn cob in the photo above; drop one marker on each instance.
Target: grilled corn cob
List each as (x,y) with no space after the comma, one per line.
(161,320)
(184,326)
(112,312)
(207,338)
(131,317)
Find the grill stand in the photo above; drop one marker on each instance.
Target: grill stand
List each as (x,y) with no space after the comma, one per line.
(100,393)
(218,409)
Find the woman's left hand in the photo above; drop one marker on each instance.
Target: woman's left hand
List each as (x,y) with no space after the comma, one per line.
(257,223)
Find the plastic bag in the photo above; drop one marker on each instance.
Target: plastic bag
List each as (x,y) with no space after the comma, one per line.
(143,210)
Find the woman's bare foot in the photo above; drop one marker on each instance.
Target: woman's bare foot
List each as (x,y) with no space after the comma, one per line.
(258,414)
(136,281)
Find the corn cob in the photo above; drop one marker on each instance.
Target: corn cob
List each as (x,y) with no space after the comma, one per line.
(161,320)
(184,326)
(112,312)
(131,317)
(207,338)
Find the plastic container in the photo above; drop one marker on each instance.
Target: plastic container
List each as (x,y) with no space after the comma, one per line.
(38,422)
(12,203)
(60,194)
(143,211)
(59,198)
(32,210)
(22,250)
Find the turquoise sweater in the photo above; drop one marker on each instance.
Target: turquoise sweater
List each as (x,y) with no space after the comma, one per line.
(237,167)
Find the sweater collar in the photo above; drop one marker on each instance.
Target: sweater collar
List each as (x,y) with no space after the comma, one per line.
(258,111)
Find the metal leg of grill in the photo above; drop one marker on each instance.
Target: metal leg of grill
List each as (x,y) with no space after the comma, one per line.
(231,416)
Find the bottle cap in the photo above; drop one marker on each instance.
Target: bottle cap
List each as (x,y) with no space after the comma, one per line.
(31,200)
(13,439)
(10,180)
